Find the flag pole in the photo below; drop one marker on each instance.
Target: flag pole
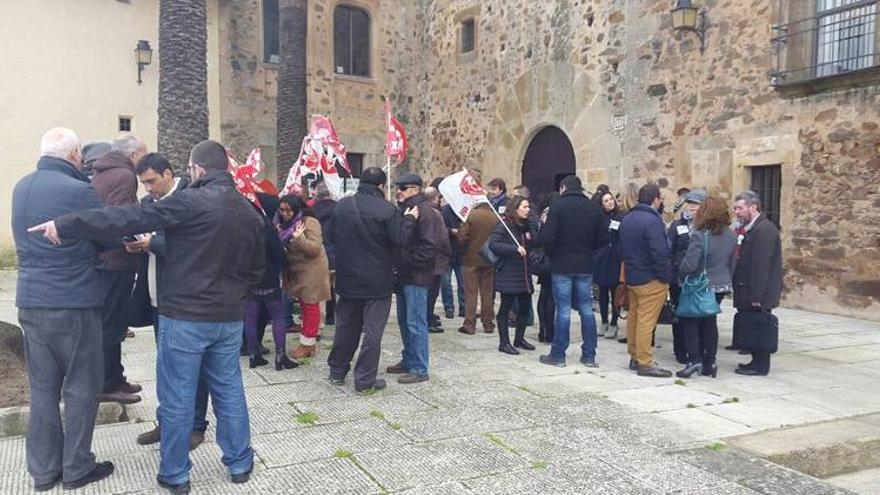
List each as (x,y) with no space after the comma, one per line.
(505,225)
(388,177)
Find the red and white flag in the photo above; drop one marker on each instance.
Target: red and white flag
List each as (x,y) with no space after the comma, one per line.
(396,143)
(462,192)
(321,153)
(245,176)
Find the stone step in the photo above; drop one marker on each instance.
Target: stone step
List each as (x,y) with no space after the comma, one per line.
(823,450)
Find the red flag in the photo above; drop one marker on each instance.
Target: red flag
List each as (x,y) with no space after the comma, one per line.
(322,131)
(321,153)
(396,144)
(245,176)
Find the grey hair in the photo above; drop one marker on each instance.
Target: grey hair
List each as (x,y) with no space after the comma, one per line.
(127,144)
(750,198)
(58,142)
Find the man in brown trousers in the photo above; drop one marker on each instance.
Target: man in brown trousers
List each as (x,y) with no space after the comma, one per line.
(479,275)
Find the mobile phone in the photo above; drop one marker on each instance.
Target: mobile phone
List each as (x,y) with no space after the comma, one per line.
(129,238)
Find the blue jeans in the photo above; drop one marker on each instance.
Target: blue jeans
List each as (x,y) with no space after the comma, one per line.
(200,422)
(446,289)
(186,349)
(579,290)
(412,316)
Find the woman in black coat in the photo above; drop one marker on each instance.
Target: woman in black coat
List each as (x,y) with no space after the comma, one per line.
(606,265)
(546,304)
(512,277)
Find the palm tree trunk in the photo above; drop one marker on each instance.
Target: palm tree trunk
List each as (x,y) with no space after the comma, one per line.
(292,117)
(183,79)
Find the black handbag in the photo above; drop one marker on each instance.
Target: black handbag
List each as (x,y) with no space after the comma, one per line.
(667,314)
(539,263)
(756,331)
(488,255)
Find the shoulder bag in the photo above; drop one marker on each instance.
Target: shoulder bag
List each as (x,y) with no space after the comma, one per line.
(697,299)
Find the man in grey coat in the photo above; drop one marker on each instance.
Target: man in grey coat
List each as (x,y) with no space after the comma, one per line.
(59,296)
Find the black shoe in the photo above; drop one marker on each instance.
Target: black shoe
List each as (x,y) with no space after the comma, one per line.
(450,315)
(130,388)
(436,329)
(258,360)
(178,489)
(745,366)
(589,362)
(45,487)
(506,348)
(377,385)
(710,370)
(242,477)
(689,370)
(336,381)
(653,371)
(743,352)
(622,341)
(523,344)
(750,372)
(150,437)
(101,471)
(284,362)
(397,369)
(119,397)
(461,314)
(552,361)
(731,347)
(195,439)
(633,365)
(410,378)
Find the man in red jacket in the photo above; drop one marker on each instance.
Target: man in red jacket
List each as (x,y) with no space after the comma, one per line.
(116,183)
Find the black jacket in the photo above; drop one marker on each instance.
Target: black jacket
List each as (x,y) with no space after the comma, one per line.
(324,209)
(214,246)
(419,261)
(452,223)
(679,238)
(512,270)
(574,228)
(758,274)
(64,277)
(607,258)
(366,229)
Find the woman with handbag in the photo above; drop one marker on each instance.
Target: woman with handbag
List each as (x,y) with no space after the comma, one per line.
(606,265)
(706,273)
(513,279)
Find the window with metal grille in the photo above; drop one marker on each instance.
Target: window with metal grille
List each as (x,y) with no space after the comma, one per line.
(351,41)
(824,38)
(350,181)
(124,123)
(468,35)
(271,42)
(767,183)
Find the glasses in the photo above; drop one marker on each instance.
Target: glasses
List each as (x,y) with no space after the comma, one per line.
(404,188)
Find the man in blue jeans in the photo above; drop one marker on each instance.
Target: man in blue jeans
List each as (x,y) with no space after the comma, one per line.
(571,230)
(417,265)
(214,253)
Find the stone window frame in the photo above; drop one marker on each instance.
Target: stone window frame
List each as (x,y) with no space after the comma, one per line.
(267,60)
(796,44)
(469,14)
(372,42)
(784,150)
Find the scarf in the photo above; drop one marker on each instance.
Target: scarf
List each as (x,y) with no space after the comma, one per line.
(286,233)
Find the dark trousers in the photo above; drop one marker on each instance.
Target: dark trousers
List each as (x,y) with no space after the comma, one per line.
(64,360)
(433,294)
(353,318)
(679,347)
(546,310)
(522,303)
(701,337)
(200,422)
(254,328)
(330,305)
(761,361)
(606,296)
(114,318)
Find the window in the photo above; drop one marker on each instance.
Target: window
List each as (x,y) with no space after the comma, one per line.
(468,35)
(271,43)
(767,182)
(124,123)
(823,38)
(351,181)
(846,33)
(351,41)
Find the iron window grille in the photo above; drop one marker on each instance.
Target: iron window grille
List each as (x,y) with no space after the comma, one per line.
(837,37)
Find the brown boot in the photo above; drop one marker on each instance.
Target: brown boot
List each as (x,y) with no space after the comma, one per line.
(303,351)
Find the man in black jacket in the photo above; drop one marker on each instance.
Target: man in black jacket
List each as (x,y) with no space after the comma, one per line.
(366,229)
(214,253)
(757,283)
(417,263)
(573,228)
(324,208)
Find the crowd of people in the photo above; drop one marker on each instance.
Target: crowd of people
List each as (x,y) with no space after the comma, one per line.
(210,269)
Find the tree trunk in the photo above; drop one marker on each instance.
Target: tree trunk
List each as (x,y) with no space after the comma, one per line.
(183,79)
(292,112)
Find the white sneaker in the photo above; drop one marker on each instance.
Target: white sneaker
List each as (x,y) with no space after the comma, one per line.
(611,333)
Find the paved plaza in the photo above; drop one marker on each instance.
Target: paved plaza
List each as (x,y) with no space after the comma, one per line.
(488,423)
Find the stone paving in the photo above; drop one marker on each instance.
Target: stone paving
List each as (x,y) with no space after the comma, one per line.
(488,423)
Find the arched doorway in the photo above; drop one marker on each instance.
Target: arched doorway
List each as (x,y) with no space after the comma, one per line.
(548,159)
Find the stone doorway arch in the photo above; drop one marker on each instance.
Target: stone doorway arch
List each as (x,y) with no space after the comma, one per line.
(548,159)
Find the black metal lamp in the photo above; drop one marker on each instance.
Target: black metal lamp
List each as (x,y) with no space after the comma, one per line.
(686,17)
(143,55)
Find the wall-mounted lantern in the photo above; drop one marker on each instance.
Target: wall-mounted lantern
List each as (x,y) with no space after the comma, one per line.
(686,17)
(143,56)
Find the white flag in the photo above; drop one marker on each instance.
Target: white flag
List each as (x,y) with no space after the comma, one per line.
(462,193)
